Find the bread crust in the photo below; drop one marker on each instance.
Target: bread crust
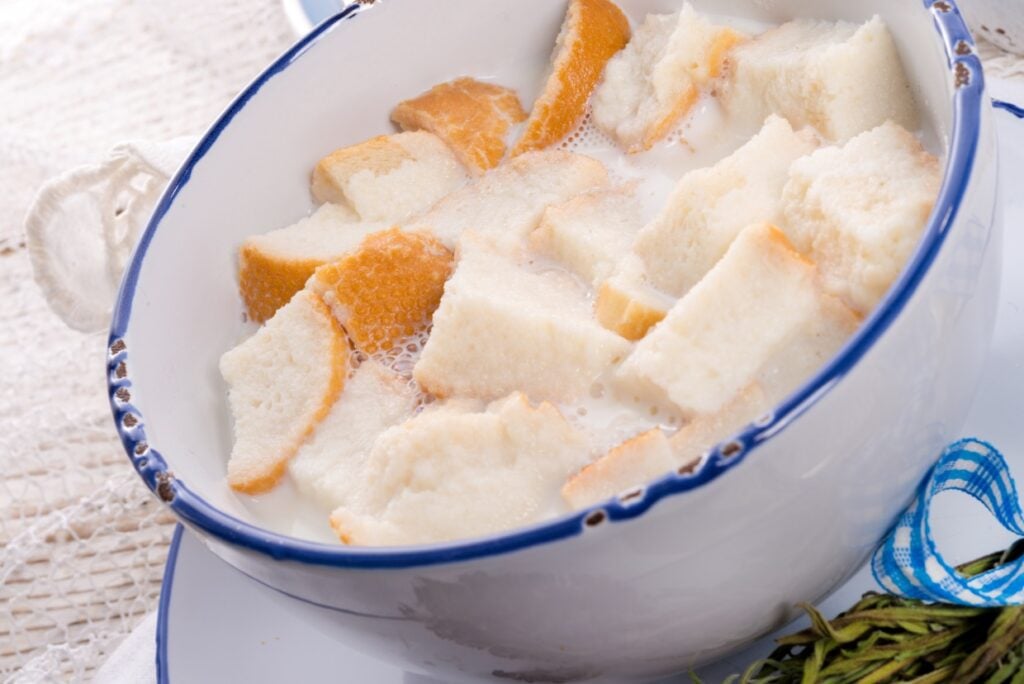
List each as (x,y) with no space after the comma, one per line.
(251,468)
(386,289)
(473,117)
(593,31)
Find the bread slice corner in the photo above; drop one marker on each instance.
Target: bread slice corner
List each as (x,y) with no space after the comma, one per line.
(471,116)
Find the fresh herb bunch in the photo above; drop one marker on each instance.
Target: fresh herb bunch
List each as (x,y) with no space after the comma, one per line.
(889,639)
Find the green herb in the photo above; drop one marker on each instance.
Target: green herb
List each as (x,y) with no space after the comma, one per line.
(885,639)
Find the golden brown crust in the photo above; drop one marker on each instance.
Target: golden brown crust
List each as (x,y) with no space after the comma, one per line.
(595,30)
(380,154)
(619,312)
(268,282)
(388,288)
(471,116)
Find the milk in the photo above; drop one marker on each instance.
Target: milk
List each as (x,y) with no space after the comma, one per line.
(607,414)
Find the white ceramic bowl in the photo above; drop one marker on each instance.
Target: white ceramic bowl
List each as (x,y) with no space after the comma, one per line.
(688,568)
(1001,22)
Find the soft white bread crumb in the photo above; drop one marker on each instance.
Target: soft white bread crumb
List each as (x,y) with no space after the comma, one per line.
(501,328)
(709,207)
(281,382)
(859,210)
(454,472)
(701,434)
(328,233)
(652,454)
(656,78)
(273,266)
(758,301)
(390,177)
(633,463)
(627,303)
(841,78)
(589,233)
(507,202)
(328,467)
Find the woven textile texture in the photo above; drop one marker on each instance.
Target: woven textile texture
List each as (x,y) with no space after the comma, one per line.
(82,542)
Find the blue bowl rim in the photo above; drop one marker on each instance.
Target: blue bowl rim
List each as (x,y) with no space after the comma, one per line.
(968,103)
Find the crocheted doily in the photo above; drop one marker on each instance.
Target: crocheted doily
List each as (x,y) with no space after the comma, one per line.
(82,542)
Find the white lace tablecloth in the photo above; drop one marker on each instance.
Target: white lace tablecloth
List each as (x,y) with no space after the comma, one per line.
(82,543)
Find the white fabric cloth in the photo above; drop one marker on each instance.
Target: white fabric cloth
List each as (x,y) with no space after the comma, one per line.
(82,542)
(133,661)
(84,223)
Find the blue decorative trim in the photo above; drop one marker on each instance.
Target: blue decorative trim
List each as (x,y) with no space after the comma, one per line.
(1009,107)
(164,611)
(967,105)
(909,563)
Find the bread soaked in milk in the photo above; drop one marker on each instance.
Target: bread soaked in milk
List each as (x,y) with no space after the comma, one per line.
(696,216)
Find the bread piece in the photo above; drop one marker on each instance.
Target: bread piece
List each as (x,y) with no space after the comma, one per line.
(328,468)
(274,266)
(656,79)
(761,300)
(709,207)
(507,202)
(590,233)
(841,78)
(502,328)
(704,432)
(635,462)
(860,210)
(387,288)
(652,455)
(626,304)
(593,31)
(388,178)
(454,472)
(471,116)
(281,382)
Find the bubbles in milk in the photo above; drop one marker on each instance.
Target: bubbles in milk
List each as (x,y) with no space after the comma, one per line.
(701,138)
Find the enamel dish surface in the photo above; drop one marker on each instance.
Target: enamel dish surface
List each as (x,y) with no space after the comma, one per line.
(678,573)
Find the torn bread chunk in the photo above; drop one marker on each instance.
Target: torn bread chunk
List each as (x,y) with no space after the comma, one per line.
(328,467)
(746,314)
(455,472)
(387,288)
(281,382)
(633,463)
(860,210)
(592,32)
(704,432)
(651,455)
(590,233)
(472,117)
(502,328)
(841,78)
(274,266)
(657,78)
(627,304)
(388,178)
(507,202)
(709,207)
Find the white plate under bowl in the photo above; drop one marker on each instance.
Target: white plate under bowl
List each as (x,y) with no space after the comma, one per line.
(217,625)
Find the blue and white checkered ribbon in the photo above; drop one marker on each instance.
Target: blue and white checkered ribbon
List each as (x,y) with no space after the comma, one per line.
(908,562)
